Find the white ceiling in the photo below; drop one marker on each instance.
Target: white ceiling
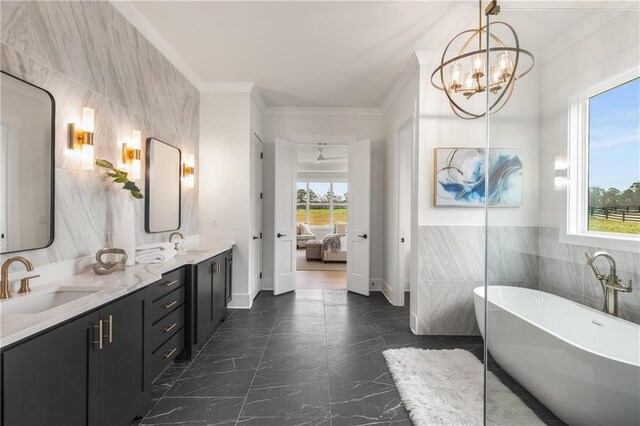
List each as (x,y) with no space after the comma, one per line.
(321,54)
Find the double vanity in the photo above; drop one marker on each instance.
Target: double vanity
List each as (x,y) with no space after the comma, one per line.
(85,350)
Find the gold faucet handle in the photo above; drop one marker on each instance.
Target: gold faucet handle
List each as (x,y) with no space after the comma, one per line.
(24,284)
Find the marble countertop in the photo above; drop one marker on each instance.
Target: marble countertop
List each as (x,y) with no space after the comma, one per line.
(104,288)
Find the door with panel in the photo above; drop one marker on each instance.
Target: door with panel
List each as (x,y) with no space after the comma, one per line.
(124,381)
(255,272)
(359,236)
(284,251)
(52,379)
(204,299)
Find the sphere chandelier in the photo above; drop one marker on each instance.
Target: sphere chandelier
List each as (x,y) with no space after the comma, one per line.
(462,76)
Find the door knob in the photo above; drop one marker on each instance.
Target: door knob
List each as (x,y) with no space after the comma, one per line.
(255,238)
(402,240)
(281,235)
(363,236)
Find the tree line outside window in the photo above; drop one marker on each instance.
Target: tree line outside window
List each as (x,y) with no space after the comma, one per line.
(322,204)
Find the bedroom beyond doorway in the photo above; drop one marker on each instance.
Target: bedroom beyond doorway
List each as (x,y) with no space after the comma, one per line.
(322,215)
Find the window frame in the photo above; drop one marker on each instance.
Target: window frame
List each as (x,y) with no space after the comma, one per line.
(331,202)
(577,224)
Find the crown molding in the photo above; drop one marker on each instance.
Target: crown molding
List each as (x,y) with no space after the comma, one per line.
(140,23)
(226,86)
(259,99)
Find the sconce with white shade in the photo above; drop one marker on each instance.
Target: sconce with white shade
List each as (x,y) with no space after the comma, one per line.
(131,154)
(81,140)
(189,171)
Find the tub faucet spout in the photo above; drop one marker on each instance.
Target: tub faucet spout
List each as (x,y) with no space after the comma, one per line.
(611,284)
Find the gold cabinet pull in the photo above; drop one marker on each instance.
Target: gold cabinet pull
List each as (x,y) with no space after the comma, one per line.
(110,328)
(168,305)
(170,283)
(99,342)
(169,328)
(168,354)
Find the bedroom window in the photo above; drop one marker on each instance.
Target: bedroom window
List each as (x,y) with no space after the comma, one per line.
(321,204)
(604,188)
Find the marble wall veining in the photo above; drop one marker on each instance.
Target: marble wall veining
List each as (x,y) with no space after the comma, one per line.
(88,54)
(452,265)
(564,271)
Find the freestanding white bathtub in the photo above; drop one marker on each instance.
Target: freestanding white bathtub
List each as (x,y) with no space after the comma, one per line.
(584,365)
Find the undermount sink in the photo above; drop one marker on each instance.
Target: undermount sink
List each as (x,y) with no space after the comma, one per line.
(40,302)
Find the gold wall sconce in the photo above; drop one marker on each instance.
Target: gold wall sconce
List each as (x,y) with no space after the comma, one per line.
(131,154)
(189,171)
(81,140)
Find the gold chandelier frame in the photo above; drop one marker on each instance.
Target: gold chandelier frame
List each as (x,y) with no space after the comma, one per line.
(504,87)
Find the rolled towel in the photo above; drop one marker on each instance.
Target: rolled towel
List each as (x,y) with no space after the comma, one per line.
(154,247)
(155,256)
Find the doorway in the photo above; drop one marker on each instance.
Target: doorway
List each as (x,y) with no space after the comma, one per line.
(322,216)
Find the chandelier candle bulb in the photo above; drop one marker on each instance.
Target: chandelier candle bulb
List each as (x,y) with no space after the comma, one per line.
(504,62)
(456,76)
(478,66)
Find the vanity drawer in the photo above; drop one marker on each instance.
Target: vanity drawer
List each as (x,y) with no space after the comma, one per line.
(168,303)
(165,354)
(167,326)
(168,283)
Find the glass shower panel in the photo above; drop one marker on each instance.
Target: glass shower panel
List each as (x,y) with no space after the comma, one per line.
(563,181)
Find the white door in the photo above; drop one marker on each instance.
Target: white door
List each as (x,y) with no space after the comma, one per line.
(403,173)
(359,199)
(284,251)
(256,215)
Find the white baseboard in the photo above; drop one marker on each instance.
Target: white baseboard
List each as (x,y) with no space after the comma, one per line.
(387,290)
(413,323)
(240,301)
(267,283)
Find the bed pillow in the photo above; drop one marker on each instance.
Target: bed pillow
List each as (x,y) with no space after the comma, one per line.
(298,229)
(340,228)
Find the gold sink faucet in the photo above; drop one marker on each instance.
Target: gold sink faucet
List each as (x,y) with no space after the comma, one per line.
(24,282)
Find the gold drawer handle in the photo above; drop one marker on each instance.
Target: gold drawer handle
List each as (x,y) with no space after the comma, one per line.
(110,321)
(170,283)
(168,329)
(99,342)
(168,305)
(168,354)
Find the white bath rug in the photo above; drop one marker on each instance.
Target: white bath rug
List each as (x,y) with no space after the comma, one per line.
(445,387)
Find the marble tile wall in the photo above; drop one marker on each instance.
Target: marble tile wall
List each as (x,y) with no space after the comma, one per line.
(88,54)
(452,265)
(564,271)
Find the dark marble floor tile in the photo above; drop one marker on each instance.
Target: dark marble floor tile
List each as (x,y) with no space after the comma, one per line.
(292,359)
(388,324)
(236,342)
(284,421)
(366,402)
(344,313)
(267,312)
(163,383)
(255,323)
(302,309)
(461,341)
(362,361)
(341,297)
(306,400)
(295,325)
(410,340)
(191,411)
(216,376)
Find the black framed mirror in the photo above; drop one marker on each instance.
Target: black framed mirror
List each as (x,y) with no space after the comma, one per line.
(163,187)
(27,165)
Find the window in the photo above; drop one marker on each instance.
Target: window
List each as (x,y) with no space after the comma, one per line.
(604,154)
(322,204)
(614,160)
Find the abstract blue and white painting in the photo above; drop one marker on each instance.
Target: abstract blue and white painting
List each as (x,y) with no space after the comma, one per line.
(460,177)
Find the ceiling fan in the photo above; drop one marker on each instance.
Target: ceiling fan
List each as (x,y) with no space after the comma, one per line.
(322,158)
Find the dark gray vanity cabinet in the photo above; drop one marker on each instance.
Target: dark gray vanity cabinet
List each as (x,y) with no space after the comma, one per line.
(212,282)
(88,371)
(53,378)
(228,286)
